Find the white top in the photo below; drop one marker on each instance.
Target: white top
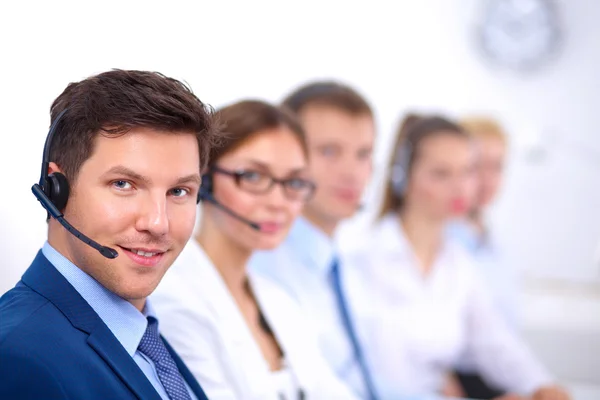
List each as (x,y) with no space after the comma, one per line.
(285,383)
(499,274)
(202,322)
(415,328)
(301,266)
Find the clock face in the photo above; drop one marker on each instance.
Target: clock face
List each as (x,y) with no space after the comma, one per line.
(519,34)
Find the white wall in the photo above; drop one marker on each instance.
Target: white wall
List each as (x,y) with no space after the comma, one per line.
(402,55)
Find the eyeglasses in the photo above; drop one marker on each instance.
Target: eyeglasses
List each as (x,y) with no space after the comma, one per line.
(256,182)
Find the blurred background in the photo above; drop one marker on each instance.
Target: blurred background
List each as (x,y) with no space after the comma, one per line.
(531,64)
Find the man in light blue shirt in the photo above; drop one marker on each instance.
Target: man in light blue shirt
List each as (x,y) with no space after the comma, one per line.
(121,164)
(340,131)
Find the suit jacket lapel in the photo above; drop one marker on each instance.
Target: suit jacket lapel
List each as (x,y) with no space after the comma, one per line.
(108,347)
(44,279)
(186,373)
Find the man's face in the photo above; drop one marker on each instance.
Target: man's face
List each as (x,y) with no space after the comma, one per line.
(136,194)
(341,147)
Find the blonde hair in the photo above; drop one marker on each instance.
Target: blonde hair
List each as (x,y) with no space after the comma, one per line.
(481,127)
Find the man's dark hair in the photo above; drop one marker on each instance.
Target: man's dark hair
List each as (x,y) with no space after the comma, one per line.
(116,101)
(328,94)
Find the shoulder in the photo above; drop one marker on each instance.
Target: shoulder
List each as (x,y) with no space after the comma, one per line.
(184,299)
(188,274)
(188,263)
(20,310)
(20,369)
(37,338)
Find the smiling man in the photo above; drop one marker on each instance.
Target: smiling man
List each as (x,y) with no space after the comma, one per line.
(122,165)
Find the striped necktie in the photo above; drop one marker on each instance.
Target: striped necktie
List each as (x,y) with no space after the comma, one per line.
(170,377)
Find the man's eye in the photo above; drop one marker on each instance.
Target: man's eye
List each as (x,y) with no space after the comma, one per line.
(122,185)
(179,192)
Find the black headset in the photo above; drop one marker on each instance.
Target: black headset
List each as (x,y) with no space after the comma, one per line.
(206,188)
(52,192)
(206,193)
(400,168)
(55,186)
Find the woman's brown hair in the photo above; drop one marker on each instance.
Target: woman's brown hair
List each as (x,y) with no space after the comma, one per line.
(411,133)
(240,120)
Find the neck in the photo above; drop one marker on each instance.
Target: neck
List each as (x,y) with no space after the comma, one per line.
(424,235)
(227,256)
(139,304)
(475,219)
(326,225)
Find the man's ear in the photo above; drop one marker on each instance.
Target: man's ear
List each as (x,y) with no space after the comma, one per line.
(52,167)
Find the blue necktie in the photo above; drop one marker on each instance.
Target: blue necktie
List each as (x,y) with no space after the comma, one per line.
(348,325)
(154,348)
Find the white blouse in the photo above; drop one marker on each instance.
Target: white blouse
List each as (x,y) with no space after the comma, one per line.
(285,383)
(415,328)
(202,322)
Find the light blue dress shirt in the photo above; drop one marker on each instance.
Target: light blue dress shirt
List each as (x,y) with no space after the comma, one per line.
(121,317)
(301,265)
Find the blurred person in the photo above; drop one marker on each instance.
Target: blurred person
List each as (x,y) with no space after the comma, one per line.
(340,130)
(241,335)
(473,232)
(420,303)
(78,325)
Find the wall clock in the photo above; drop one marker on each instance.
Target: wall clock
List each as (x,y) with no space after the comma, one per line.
(521,35)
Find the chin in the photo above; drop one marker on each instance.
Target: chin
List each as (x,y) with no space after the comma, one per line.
(137,293)
(269,243)
(343,211)
(141,286)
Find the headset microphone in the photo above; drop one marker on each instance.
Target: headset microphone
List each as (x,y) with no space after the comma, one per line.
(53,193)
(230,212)
(207,195)
(57,215)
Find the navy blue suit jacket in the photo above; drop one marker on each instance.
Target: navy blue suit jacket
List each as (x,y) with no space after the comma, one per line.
(53,345)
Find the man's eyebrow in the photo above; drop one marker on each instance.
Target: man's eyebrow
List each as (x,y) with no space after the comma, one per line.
(192,178)
(121,170)
(126,172)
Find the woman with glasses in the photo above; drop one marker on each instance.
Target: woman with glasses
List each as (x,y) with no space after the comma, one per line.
(241,335)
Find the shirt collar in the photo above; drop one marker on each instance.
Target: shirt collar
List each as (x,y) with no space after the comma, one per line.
(464,234)
(120,316)
(312,245)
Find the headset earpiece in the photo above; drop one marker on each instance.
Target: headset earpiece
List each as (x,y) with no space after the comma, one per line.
(399,172)
(52,191)
(205,188)
(57,189)
(206,193)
